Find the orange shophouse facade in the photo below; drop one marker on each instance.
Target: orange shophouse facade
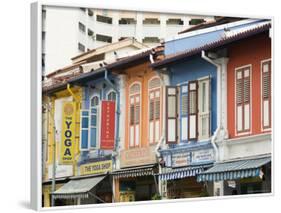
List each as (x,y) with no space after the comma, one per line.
(136,179)
(245,154)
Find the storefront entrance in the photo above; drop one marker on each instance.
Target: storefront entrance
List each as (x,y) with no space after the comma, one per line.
(251,185)
(187,188)
(137,189)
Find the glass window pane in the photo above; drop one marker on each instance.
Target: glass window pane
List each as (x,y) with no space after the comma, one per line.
(85,122)
(93,120)
(85,113)
(93,137)
(93,110)
(84,136)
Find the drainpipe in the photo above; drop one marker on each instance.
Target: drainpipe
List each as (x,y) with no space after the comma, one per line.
(163,136)
(219,108)
(118,107)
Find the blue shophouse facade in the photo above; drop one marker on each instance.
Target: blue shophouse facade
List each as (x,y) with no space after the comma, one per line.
(97,86)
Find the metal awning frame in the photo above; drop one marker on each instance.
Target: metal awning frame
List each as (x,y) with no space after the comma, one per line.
(80,195)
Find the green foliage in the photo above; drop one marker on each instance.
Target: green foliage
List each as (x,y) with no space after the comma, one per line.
(156,197)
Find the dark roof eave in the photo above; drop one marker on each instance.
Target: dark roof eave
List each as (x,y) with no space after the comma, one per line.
(123,63)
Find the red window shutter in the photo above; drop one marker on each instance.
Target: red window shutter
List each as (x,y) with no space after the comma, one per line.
(192,110)
(172,114)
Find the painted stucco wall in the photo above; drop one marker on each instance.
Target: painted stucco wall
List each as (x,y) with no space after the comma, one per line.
(250,51)
(99,88)
(192,69)
(141,73)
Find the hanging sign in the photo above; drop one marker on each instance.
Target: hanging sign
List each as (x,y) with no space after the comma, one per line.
(68,132)
(107,125)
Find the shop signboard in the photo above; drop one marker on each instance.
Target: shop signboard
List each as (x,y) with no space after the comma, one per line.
(137,157)
(61,171)
(96,167)
(68,133)
(181,159)
(107,125)
(203,156)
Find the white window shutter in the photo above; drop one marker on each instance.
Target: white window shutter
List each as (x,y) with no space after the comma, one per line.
(171,112)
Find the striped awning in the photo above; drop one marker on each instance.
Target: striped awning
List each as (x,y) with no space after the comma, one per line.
(77,188)
(134,172)
(234,170)
(178,173)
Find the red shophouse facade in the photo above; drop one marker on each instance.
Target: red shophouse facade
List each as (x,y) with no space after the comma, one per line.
(249,86)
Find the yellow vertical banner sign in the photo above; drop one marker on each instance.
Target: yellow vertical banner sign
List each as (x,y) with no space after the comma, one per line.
(68,133)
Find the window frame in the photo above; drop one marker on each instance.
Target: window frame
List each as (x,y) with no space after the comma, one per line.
(81,46)
(99,36)
(134,95)
(108,93)
(243,131)
(192,114)
(81,27)
(105,17)
(181,115)
(266,61)
(81,128)
(97,114)
(167,114)
(209,108)
(154,90)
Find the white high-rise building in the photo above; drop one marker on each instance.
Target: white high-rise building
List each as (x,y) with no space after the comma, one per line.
(69,31)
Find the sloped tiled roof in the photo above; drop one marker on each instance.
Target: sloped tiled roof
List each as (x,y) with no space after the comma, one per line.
(221,42)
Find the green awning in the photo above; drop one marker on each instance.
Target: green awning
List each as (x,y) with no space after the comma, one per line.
(233,170)
(77,188)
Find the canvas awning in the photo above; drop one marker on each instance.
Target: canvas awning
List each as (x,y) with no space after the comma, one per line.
(77,188)
(178,173)
(134,172)
(234,170)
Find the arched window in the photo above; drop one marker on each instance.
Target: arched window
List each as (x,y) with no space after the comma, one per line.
(94,112)
(134,112)
(154,109)
(111,96)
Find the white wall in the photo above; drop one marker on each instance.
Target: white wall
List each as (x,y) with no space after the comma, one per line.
(61,37)
(63,34)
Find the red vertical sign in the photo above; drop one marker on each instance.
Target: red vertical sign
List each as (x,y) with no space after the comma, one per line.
(107,125)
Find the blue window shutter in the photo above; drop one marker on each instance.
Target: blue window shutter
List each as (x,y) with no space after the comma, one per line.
(84,130)
(93,127)
(94,122)
(184,112)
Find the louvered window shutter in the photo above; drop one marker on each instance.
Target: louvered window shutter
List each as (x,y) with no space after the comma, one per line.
(84,130)
(243,98)
(266,94)
(184,112)
(204,105)
(171,112)
(192,110)
(94,113)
